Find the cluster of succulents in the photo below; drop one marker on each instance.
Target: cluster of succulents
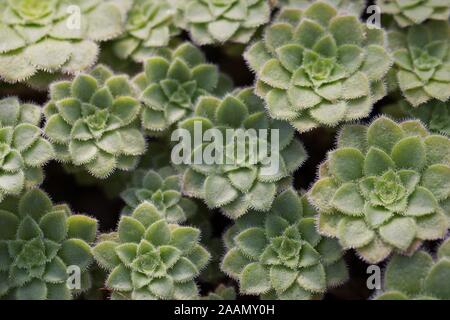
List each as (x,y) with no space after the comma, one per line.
(23,149)
(163,189)
(422,61)
(201,132)
(171,85)
(239,182)
(418,277)
(94,122)
(318,67)
(149,258)
(381,189)
(54,35)
(282,255)
(39,244)
(150,25)
(219,21)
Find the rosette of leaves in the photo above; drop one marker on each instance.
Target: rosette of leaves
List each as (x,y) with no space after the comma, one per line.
(418,277)
(93,122)
(54,35)
(318,67)
(149,26)
(422,61)
(232,182)
(384,188)
(40,243)
(222,292)
(412,12)
(148,258)
(170,85)
(219,21)
(434,114)
(162,188)
(23,150)
(355,7)
(280,255)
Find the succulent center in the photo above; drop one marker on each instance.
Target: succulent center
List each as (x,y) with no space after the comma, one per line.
(139,14)
(97,121)
(320,68)
(4,151)
(389,188)
(180,97)
(33,9)
(288,245)
(158,199)
(32,254)
(288,248)
(424,61)
(178,93)
(147,263)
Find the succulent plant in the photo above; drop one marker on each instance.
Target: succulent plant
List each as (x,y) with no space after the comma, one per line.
(434,114)
(170,86)
(23,150)
(54,35)
(418,277)
(219,21)
(149,25)
(39,241)
(148,258)
(222,292)
(316,67)
(238,183)
(384,187)
(422,61)
(93,122)
(355,7)
(280,255)
(411,12)
(162,188)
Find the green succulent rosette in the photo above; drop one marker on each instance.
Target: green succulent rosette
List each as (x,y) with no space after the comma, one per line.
(23,149)
(280,255)
(418,277)
(355,7)
(385,188)
(40,243)
(54,35)
(413,12)
(163,189)
(236,183)
(422,61)
(434,114)
(149,26)
(170,86)
(93,121)
(219,21)
(317,67)
(149,259)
